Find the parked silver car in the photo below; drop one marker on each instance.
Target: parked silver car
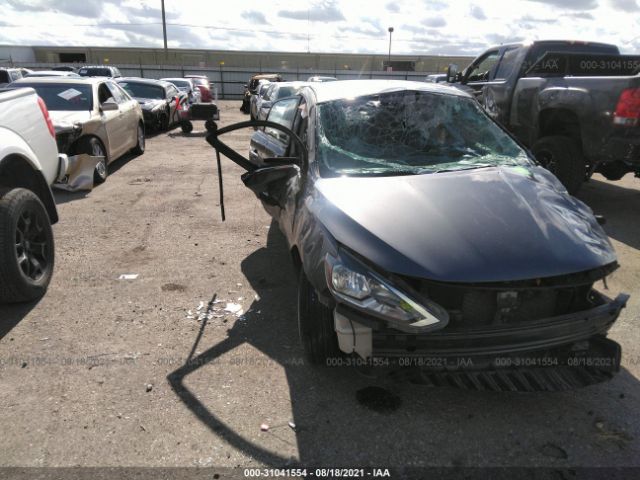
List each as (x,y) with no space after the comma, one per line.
(275,92)
(188,86)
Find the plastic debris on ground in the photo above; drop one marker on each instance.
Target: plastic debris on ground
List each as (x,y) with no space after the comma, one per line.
(215,309)
(128,276)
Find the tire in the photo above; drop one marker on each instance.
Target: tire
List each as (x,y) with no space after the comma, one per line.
(26,246)
(93,146)
(613,170)
(561,155)
(315,324)
(141,145)
(187,127)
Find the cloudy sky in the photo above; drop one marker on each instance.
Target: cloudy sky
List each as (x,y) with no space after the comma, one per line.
(421,26)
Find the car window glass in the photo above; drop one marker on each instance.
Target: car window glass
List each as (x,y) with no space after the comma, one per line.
(507,64)
(15,76)
(282,113)
(410,132)
(64,97)
(116,93)
(482,70)
(270,91)
(143,90)
(104,93)
(122,92)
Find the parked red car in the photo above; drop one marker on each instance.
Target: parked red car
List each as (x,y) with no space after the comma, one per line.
(202,82)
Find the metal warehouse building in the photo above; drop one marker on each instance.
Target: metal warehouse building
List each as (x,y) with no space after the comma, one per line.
(228,69)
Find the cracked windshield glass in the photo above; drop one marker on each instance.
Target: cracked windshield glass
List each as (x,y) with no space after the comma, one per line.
(410,132)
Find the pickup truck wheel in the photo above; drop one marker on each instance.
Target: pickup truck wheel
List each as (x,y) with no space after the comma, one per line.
(315,324)
(26,246)
(561,156)
(93,146)
(140,146)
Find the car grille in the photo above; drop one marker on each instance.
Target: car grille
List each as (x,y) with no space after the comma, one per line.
(473,306)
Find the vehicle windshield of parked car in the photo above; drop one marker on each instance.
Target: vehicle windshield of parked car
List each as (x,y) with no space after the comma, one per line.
(65,97)
(181,83)
(410,132)
(143,90)
(94,72)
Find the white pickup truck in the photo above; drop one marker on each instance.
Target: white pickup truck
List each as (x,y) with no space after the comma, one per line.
(29,164)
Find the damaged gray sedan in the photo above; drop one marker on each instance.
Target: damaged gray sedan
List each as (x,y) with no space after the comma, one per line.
(426,237)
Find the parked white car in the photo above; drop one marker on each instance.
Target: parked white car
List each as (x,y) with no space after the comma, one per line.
(29,164)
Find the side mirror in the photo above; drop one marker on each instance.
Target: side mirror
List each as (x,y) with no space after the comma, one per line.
(452,73)
(270,183)
(109,106)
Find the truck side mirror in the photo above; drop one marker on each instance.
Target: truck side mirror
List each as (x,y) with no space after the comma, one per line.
(452,73)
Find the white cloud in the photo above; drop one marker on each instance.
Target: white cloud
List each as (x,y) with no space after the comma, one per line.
(421,26)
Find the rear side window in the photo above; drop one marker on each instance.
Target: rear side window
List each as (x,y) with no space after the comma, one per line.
(507,64)
(4,77)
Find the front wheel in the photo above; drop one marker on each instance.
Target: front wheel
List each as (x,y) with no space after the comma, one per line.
(561,155)
(140,145)
(315,324)
(26,246)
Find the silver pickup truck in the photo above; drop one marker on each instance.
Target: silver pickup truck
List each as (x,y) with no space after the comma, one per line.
(29,164)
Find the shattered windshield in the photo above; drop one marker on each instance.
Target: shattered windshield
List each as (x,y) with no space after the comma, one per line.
(410,132)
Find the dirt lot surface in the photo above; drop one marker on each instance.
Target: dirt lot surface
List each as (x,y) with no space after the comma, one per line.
(109,372)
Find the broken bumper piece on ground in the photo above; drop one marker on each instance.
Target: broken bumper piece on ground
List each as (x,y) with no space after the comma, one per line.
(76,172)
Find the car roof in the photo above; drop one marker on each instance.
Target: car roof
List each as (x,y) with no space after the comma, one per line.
(97,66)
(148,81)
(70,80)
(290,84)
(342,89)
(60,73)
(174,78)
(265,76)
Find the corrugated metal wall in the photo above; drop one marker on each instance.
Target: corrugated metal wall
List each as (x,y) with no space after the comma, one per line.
(230,81)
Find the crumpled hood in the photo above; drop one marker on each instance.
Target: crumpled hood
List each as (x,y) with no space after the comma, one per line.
(482,225)
(149,103)
(64,118)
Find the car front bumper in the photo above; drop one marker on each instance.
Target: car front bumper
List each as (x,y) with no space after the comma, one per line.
(557,353)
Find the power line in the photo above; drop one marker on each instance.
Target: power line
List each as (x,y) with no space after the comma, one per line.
(296,35)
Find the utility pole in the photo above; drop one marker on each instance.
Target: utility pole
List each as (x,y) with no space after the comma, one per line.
(164,28)
(390,32)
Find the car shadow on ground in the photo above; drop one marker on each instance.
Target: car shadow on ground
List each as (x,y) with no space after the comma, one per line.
(419,424)
(619,205)
(12,314)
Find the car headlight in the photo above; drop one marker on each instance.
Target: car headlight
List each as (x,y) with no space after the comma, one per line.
(353,283)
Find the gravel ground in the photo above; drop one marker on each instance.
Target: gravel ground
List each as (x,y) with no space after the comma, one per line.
(109,372)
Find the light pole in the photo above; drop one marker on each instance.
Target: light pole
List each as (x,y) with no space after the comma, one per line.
(164,28)
(390,32)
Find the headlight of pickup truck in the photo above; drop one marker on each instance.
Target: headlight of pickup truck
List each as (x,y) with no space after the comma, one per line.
(353,283)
